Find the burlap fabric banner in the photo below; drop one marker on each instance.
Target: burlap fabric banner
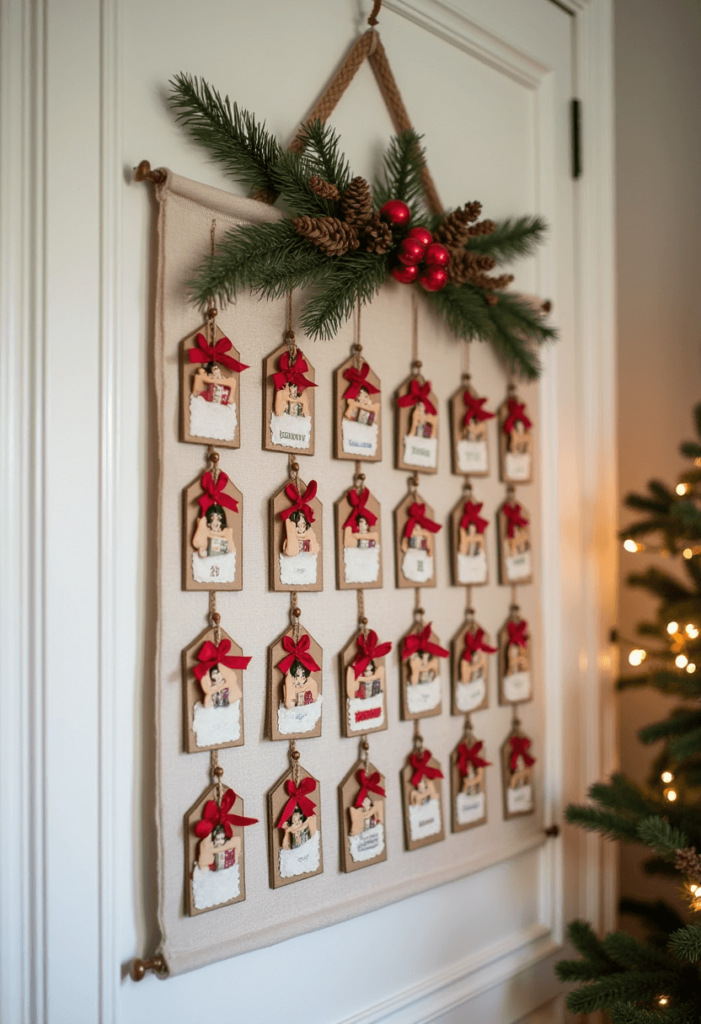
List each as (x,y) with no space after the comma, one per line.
(255,617)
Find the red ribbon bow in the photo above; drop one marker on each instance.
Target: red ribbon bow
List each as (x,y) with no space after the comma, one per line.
(418,393)
(368,650)
(214,493)
(470,756)
(517,633)
(357,380)
(419,762)
(418,517)
(519,748)
(214,815)
(473,408)
(300,502)
(516,414)
(512,511)
(292,373)
(203,352)
(298,798)
(470,510)
(297,652)
(368,784)
(359,509)
(421,642)
(475,642)
(210,655)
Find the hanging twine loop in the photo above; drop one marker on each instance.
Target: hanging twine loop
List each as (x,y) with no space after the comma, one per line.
(372,20)
(357,348)
(295,614)
(469,610)
(213,456)
(289,335)
(358,477)
(365,755)
(418,610)
(467,727)
(292,468)
(211,311)
(362,618)
(414,485)
(216,772)
(214,616)
(418,738)
(294,756)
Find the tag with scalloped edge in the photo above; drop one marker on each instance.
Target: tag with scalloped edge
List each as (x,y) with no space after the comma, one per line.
(358,412)
(422,798)
(517,762)
(417,425)
(212,537)
(361,814)
(288,408)
(358,540)
(294,812)
(469,420)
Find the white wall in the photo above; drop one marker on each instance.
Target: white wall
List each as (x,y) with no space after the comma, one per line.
(658,221)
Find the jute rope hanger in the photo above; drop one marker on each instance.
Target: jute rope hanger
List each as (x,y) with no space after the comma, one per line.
(368,46)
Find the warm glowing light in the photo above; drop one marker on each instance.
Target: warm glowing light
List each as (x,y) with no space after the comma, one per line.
(691,630)
(687,552)
(672,627)
(682,488)
(667,776)
(637,656)
(630,545)
(691,667)
(671,795)
(663,1000)
(693,887)
(681,661)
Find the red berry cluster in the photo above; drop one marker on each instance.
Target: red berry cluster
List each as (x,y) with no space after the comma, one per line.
(419,256)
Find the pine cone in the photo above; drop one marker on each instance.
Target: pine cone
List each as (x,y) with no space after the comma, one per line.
(356,202)
(688,863)
(376,235)
(454,230)
(333,236)
(463,265)
(482,227)
(324,188)
(490,283)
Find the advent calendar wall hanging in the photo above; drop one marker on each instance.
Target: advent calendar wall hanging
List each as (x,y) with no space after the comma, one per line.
(338,240)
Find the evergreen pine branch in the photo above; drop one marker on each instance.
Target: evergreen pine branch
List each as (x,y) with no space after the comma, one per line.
(401,173)
(244,147)
(628,1013)
(660,836)
(620,794)
(269,259)
(678,723)
(582,937)
(290,179)
(663,918)
(686,746)
(629,954)
(661,584)
(322,151)
(686,943)
(512,239)
(357,276)
(611,825)
(626,986)
(691,449)
(660,867)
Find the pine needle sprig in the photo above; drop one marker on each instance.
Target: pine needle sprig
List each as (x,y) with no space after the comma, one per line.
(323,153)
(401,174)
(662,837)
(355,278)
(234,137)
(609,824)
(512,239)
(686,943)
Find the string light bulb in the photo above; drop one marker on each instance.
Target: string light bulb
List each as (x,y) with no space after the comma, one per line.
(691,630)
(672,628)
(693,887)
(662,1001)
(637,656)
(631,545)
(667,777)
(671,795)
(691,668)
(687,552)
(681,661)
(682,488)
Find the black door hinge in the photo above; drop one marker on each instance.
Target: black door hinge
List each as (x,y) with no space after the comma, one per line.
(576,116)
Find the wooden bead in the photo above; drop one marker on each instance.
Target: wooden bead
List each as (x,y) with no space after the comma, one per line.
(216,618)
(363,621)
(295,467)
(296,612)
(360,476)
(295,755)
(211,313)
(365,745)
(420,611)
(417,364)
(214,457)
(219,771)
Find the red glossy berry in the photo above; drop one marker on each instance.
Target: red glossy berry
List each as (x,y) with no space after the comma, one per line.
(405,275)
(396,212)
(422,235)
(434,278)
(410,252)
(437,255)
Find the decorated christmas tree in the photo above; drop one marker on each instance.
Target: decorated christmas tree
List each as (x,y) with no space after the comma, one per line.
(658,979)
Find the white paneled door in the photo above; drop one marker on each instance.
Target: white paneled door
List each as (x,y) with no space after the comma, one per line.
(489,83)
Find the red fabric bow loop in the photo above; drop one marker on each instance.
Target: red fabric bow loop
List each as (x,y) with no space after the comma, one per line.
(512,511)
(517,633)
(417,642)
(418,517)
(210,655)
(476,642)
(203,352)
(368,784)
(422,769)
(368,650)
(297,652)
(358,379)
(213,493)
(474,409)
(359,509)
(470,756)
(292,373)
(418,393)
(470,515)
(519,748)
(300,502)
(298,797)
(516,414)
(214,815)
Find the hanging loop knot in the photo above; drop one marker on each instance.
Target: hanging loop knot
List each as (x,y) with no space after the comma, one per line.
(293,366)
